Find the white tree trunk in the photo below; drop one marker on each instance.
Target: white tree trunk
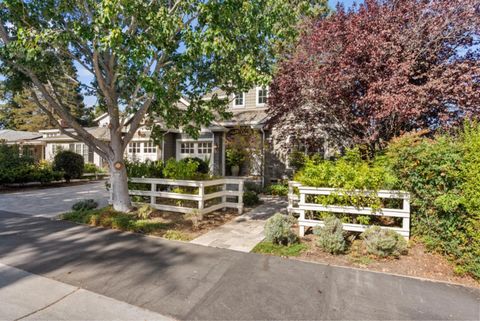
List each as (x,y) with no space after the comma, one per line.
(118,179)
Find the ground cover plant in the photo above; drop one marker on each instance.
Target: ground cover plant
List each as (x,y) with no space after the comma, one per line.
(146,220)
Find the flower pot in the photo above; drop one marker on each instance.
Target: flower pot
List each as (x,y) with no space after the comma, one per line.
(235,170)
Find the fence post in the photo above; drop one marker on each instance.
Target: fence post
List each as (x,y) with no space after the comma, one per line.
(301,228)
(290,197)
(224,197)
(406,220)
(153,189)
(201,193)
(240,197)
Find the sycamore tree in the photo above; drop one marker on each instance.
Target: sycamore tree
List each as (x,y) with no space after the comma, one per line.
(144,55)
(375,71)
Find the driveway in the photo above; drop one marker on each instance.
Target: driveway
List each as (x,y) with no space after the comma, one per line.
(187,281)
(50,202)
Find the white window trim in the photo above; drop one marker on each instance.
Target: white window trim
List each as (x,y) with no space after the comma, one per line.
(238,106)
(195,154)
(257,96)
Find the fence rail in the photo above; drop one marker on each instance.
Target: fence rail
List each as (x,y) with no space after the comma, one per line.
(223,193)
(298,204)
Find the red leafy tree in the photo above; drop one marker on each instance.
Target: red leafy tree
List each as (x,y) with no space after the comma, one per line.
(378,70)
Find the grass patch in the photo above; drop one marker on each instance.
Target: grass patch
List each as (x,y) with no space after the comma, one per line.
(177,236)
(107,217)
(280,250)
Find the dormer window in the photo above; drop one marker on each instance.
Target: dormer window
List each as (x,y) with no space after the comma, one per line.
(239,100)
(262,96)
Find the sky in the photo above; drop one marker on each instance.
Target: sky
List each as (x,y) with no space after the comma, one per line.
(85,76)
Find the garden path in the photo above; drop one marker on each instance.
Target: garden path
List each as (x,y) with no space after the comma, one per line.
(246,231)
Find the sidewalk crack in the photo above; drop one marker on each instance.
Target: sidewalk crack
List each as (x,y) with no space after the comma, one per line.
(48,305)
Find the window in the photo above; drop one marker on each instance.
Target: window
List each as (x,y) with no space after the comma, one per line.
(262,95)
(134,148)
(239,100)
(205,148)
(80,149)
(187,148)
(149,148)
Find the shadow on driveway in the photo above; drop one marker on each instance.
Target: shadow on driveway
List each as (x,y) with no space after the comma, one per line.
(194,282)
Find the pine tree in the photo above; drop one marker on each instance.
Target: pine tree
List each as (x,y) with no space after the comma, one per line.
(20,112)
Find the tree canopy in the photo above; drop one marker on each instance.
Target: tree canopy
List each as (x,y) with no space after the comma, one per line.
(370,73)
(144,55)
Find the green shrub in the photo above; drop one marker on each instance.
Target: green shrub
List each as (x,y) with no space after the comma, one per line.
(85,205)
(443,177)
(18,168)
(348,173)
(70,163)
(278,189)
(250,198)
(203,166)
(278,230)
(331,237)
(384,242)
(90,168)
(182,170)
(150,169)
(296,160)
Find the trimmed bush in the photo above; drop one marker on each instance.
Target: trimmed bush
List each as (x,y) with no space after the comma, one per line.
(331,237)
(384,242)
(203,166)
(70,163)
(85,205)
(278,230)
(250,198)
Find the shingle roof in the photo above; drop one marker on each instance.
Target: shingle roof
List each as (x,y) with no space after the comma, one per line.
(102,133)
(247,117)
(12,136)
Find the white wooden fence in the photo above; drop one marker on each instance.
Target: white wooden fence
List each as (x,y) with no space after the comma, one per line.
(298,204)
(223,194)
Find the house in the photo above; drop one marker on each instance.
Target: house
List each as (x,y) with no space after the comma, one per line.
(248,111)
(30,143)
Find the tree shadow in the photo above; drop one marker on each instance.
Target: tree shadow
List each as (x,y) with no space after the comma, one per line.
(149,272)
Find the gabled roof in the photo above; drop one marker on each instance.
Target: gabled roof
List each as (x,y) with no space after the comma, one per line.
(13,136)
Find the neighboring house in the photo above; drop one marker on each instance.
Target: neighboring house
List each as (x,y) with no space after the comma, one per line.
(30,143)
(248,109)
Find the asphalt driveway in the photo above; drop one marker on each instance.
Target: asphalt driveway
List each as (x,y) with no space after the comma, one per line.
(50,202)
(187,281)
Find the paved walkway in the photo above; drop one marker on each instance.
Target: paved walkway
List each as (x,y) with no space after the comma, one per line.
(191,282)
(246,231)
(50,202)
(26,296)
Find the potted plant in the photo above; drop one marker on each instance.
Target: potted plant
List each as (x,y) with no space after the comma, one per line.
(235,158)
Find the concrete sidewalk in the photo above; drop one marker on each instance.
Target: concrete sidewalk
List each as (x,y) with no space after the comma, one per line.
(50,202)
(192,282)
(245,231)
(25,296)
